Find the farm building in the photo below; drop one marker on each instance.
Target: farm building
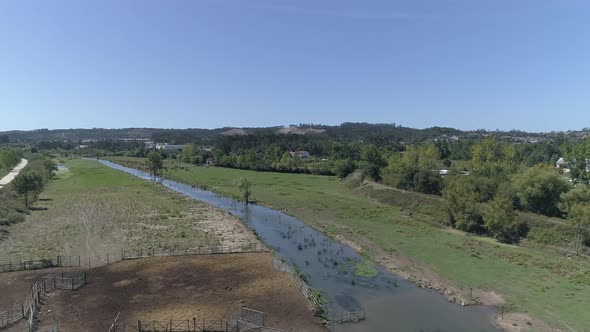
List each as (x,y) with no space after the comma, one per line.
(300,154)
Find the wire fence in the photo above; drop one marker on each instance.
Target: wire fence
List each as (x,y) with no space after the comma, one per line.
(86,262)
(75,280)
(315,298)
(245,320)
(31,305)
(13,265)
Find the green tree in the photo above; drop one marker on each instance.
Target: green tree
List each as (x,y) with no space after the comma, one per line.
(27,183)
(579,194)
(415,169)
(443,149)
(579,215)
(155,163)
(373,171)
(511,161)
(579,162)
(499,220)
(486,158)
(539,190)
(9,157)
(50,167)
(189,152)
(342,168)
(463,196)
(244,186)
(372,155)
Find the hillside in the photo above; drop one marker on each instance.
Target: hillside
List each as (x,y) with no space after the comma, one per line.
(346,131)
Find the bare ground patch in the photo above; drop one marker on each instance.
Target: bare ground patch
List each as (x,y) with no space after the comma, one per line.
(210,287)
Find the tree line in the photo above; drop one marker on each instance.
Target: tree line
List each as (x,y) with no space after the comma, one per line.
(9,158)
(17,197)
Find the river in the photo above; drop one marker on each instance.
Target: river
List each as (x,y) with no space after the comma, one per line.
(390,302)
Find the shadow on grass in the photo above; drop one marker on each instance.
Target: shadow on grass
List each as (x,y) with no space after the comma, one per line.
(4,233)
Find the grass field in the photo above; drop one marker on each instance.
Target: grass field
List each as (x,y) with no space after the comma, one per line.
(541,283)
(91,209)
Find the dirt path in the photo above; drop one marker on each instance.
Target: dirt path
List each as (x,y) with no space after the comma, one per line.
(10,176)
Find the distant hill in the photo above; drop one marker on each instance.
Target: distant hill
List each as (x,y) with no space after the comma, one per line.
(369,132)
(180,136)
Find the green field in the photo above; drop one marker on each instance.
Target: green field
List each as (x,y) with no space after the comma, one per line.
(91,209)
(542,283)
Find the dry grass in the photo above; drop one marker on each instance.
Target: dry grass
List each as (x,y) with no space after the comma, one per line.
(92,209)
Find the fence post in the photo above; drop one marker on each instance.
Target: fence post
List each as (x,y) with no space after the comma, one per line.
(194,323)
(79,261)
(138,325)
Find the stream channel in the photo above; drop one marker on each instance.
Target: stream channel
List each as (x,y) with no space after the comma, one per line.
(390,302)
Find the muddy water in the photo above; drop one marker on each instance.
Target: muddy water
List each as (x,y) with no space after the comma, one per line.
(348,281)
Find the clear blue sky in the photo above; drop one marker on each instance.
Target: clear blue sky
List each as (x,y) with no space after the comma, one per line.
(209,63)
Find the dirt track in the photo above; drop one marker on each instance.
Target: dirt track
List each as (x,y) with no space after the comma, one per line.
(205,287)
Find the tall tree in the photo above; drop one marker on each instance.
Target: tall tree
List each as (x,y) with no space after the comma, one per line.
(463,196)
(27,183)
(244,186)
(579,162)
(155,163)
(189,152)
(499,219)
(50,167)
(539,190)
(486,158)
(579,215)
